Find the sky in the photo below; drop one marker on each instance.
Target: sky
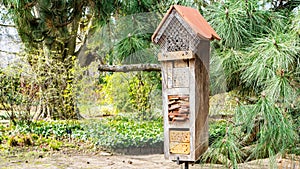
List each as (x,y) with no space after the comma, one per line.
(9,40)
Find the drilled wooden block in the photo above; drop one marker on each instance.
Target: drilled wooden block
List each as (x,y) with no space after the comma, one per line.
(179,148)
(181,77)
(179,136)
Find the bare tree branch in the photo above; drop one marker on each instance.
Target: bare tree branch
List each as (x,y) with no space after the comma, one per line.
(289,5)
(128,68)
(5,25)
(8,52)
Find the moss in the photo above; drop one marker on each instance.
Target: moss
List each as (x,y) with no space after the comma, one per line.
(223,103)
(55,145)
(27,140)
(12,141)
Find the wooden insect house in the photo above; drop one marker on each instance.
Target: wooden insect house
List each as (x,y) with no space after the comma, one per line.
(184,39)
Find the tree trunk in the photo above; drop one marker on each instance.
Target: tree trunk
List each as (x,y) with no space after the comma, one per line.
(58,62)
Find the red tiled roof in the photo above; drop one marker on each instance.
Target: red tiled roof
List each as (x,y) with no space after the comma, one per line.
(194,19)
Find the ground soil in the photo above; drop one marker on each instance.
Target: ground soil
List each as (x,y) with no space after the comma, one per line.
(78,160)
(72,159)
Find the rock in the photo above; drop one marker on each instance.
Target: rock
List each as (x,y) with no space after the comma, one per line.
(105,154)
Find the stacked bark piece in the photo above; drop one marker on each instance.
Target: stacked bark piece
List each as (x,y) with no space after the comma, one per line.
(179,108)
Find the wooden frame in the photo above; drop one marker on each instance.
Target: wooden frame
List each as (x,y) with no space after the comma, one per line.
(184,38)
(197,91)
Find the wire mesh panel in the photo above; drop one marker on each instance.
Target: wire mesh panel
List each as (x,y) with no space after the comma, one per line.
(175,38)
(178,36)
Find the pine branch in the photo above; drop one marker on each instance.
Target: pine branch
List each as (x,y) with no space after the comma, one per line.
(128,68)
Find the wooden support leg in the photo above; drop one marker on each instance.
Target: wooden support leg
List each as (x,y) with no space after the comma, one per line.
(186,165)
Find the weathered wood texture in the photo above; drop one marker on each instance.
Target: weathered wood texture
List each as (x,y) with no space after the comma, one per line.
(179,108)
(185,67)
(128,68)
(201,98)
(185,103)
(175,56)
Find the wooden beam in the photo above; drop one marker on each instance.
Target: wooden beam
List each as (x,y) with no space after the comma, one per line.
(130,68)
(179,55)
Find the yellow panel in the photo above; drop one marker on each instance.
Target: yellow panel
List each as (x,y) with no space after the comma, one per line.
(179,148)
(179,136)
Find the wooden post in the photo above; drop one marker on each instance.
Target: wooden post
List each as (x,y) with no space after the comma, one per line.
(185,104)
(184,37)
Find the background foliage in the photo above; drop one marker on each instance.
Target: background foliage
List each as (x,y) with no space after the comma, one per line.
(257,58)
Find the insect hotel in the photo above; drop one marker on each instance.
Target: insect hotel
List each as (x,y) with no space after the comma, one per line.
(184,39)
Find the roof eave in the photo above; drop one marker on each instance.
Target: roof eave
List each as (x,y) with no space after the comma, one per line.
(161,23)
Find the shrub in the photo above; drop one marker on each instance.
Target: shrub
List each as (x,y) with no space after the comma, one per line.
(122,132)
(115,91)
(141,85)
(12,141)
(55,145)
(217,129)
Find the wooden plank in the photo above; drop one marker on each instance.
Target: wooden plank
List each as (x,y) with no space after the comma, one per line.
(178,125)
(172,114)
(175,114)
(174,102)
(173,107)
(180,119)
(181,63)
(192,100)
(176,91)
(169,72)
(185,105)
(186,111)
(202,101)
(186,97)
(173,97)
(179,55)
(164,75)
